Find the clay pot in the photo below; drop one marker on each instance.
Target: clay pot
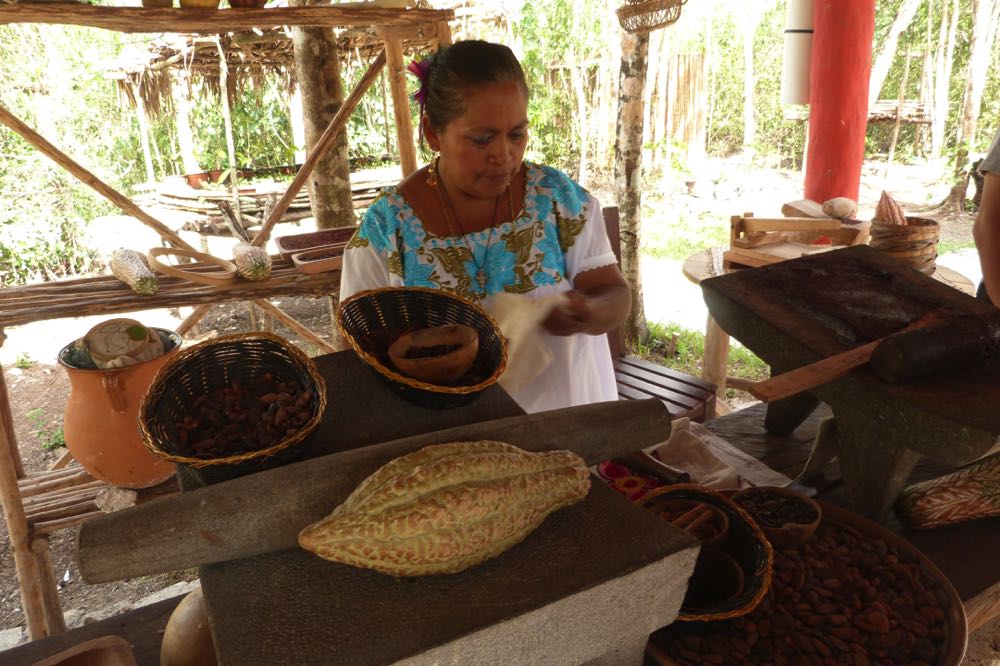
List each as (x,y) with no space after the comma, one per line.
(101,422)
(187,638)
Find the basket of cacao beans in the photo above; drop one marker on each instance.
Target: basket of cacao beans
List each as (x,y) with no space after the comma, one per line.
(378,320)
(854,593)
(233,405)
(734,567)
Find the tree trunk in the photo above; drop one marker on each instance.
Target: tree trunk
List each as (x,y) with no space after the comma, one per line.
(578,73)
(942,80)
(883,62)
(180,92)
(979,61)
(749,125)
(628,170)
(140,114)
(317,67)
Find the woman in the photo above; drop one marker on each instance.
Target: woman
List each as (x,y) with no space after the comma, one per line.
(479,222)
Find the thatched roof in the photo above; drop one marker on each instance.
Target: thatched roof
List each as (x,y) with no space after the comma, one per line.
(253,55)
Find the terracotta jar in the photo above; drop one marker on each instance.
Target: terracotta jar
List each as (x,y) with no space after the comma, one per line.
(101,420)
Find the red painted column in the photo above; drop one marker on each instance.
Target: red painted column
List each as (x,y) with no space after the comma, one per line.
(838,97)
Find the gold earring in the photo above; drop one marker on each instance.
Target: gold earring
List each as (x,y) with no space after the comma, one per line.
(432,179)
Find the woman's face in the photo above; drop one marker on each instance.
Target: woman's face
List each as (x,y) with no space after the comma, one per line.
(481,150)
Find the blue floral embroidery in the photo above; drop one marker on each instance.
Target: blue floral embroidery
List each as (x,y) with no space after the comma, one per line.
(391,227)
(417,274)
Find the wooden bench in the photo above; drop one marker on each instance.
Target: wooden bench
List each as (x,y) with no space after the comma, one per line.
(683,394)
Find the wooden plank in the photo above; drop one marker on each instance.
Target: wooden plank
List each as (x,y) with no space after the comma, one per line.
(690,380)
(107,295)
(214,21)
(754,224)
(264,512)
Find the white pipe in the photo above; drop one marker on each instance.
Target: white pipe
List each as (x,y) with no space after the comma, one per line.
(798,52)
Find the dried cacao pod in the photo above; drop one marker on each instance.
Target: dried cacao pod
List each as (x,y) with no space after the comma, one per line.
(447,507)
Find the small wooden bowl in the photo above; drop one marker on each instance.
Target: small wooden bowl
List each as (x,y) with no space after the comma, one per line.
(320,259)
(703,521)
(444,368)
(790,532)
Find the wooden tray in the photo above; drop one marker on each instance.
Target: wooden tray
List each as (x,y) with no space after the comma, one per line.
(955,620)
(320,259)
(289,245)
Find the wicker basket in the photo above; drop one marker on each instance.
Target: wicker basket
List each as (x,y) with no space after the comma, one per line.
(214,364)
(744,542)
(374,319)
(641,16)
(913,243)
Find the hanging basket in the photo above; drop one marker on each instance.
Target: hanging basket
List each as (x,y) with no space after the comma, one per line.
(641,16)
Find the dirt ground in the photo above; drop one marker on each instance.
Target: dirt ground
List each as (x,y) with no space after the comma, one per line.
(38,393)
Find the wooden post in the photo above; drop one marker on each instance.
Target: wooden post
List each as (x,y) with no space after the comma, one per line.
(325,143)
(89,179)
(838,96)
(30,577)
(716,362)
(400,104)
(442,35)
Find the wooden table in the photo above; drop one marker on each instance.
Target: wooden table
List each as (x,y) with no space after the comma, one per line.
(965,553)
(708,263)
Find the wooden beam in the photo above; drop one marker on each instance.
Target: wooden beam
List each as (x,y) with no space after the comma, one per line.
(325,142)
(214,21)
(295,326)
(88,178)
(400,104)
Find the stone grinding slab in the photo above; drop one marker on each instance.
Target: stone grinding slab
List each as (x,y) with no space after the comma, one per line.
(602,553)
(802,310)
(799,311)
(592,574)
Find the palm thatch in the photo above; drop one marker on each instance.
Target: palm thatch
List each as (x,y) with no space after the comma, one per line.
(254,55)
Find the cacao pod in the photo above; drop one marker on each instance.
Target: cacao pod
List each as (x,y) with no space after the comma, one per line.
(447,507)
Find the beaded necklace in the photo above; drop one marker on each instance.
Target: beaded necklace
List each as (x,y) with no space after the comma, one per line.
(435,181)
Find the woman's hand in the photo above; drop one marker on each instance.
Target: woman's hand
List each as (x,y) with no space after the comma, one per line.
(599,302)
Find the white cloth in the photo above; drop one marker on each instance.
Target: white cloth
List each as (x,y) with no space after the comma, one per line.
(715,463)
(520,321)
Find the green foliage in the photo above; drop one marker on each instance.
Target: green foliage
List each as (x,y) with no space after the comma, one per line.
(675,235)
(683,349)
(23,361)
(48,432)
(553,36)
